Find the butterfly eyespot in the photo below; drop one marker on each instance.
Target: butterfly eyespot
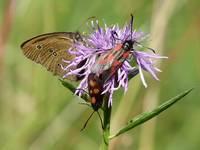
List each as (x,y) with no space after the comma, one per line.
(51,50)
(54,54)
(38,46)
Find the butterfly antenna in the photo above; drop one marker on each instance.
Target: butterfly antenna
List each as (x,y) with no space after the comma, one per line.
(87,121)
(100,120)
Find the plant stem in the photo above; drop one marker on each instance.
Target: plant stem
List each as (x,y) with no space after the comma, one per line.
(106,124)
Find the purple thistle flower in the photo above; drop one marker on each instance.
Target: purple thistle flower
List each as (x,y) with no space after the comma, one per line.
(101,42)
(145,61)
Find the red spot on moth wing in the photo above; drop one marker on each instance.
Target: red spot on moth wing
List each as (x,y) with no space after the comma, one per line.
(102,61)
(126,54)
(110,57)
(118,47)
(93,100)
(105,60)
(117,63)
(115,66)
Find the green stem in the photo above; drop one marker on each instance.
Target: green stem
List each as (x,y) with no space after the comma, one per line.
(106,124)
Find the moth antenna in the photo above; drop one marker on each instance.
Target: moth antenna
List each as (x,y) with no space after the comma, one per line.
(100,119)
(87,121)
(139,44)
(83,91)
(84,103)
(113,33)
(131,25)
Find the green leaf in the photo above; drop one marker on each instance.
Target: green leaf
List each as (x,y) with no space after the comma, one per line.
(148,115)
(68,85)
(73,89)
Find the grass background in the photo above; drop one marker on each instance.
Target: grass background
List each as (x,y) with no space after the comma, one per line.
(37,112)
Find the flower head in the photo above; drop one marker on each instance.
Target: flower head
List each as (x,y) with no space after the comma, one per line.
(103,42)
(145,61)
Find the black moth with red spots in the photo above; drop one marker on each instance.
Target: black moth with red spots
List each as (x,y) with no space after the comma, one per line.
(95,89)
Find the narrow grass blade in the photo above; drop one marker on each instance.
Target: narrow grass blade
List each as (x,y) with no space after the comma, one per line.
(148,115)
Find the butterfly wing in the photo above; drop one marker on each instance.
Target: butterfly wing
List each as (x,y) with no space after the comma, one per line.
(50,49)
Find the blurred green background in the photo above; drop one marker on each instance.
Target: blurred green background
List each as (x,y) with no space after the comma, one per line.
(37,112)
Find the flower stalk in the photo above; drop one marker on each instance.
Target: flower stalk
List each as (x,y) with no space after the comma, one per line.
(106,123)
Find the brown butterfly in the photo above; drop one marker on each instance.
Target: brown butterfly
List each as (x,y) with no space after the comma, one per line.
(50,50)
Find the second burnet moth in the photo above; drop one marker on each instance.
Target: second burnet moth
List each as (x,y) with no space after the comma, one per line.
(95,89)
